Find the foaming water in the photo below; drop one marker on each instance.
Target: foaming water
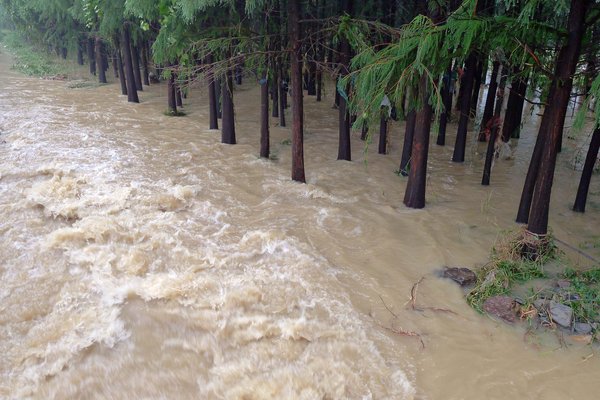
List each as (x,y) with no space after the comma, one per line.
(143,259)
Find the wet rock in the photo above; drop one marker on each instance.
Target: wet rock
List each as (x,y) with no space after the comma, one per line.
(561,314)
(502,307)
(582,328)
(583,339)
(462,276)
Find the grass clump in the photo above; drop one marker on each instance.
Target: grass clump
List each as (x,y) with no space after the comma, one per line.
(171,113)
(583,294)
(30,60)
(510,265)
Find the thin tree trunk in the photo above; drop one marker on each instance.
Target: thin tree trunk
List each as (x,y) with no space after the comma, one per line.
(114,64)
(120,65)
(586,174)
(408,142)
(414,197)
(565,67)
(364,131)
(297,102)
(477,86)
(91,56)
(514,108)
(218,87)
(228,123)
(275,89)
(383,130)
(212,96)
(494,128)
(132,95)
(79,53)
(264,117)
(282,97)
(171,95)
(465,107)
(447,99)
(488,112)
(145,70)
(136,67)
(101,72)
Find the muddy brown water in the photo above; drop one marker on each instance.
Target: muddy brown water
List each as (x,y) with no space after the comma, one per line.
(141,258)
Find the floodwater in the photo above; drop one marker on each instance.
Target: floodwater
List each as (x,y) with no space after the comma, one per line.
(141,258)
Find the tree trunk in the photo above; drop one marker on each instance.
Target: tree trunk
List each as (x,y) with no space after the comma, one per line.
(228,123)
(447,99)
(297,102)
(145,70)
(383,130)
(218,87)
(319,83)
(465,107)
(514,108)
(414,197)
(212,96)
(488,111)
(132,95)
(566,64)
(408,142)
(264,116)
(477,86)
(586,174)
(79,53)
(344,150)
(364,131)
(136,67)
(120,65)
(171,95)
(91,55)
(114,64)
(101,72)
(282,97)
(275,89)
(494,127)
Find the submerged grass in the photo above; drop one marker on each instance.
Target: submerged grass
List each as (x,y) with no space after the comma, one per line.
(512,265)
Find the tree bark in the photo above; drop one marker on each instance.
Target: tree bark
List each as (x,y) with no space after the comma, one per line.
(132,95)
(212,96)
(414,197)
(565,67)
(297,102)
(465,107)
(120,65)
(494,126)
(136,67)
(264,116)
(145,70)
(408,142)
(383,130)
(446,94)
(101,71)
(171,95)
(488,111)
(228,123)
(586,174)
(514,108)
(91,56)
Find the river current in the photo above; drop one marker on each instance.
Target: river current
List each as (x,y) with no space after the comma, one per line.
(141,258)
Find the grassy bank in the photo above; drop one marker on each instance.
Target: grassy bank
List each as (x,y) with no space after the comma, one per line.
(35,61)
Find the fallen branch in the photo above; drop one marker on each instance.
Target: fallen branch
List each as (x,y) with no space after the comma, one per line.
(402,332)
(413,300)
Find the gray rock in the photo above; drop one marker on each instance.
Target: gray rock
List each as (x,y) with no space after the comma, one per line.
(541,304)
(502,307)
(462,276)
(582,328)
(561,314)
(563,283)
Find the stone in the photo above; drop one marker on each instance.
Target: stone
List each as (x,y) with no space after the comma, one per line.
(502,307)
(462,276)
(583,339)
(561,314)
(540,304)
(582,328)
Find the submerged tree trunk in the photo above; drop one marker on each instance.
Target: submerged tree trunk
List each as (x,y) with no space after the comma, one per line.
(145,70)
(120,65)
(101,71)
(91,55)
(414,197)
(465,106)
(566,64)
(136,67)
(212,97)
(408,142)
(297,102)
(446,94)
(586,174)
(383,130)
(488,111)
(171,95)
(132,95)
(514,108)
(264,117)
(494,126)
(228,123)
